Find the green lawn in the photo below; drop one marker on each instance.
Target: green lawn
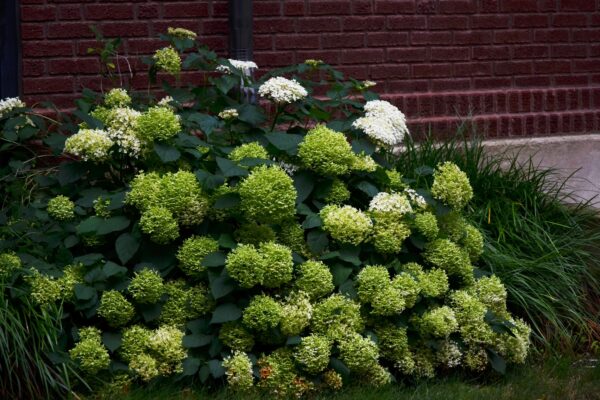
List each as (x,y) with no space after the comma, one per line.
(559,379)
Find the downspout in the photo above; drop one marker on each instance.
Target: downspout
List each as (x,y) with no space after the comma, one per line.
(10,47)
(240,39)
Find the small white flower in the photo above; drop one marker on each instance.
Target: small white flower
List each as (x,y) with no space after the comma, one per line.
(416,198)
(89,145)
(121,129)
(390,203)
(10,103)
(282,90)
(228,113)
(383,122)
(245,66)
(166,102)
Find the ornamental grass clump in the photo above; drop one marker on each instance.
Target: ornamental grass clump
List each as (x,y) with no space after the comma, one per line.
(279,253)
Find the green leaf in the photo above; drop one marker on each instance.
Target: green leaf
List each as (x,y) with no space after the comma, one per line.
(317,241)
(368,188)
(90,121)
(190,366)
(229,168)
(207,123)
(70,241)
(304,184)
(196,340)
(228,200)
(70,172)
(496,361)
(347,288)
(339,367)
(251,114)
(126,246)
(150,312)
(88,259)
(216,368)
(424,170)
(220,285)
(204,373)
(83,292)
(112,224)
(89,225)
(112,269)
(285,141)
(293,341)
(227,241)
(215,259)
(166,153)
(209,181)
(363,145)
(340,273)
(225,313)
(112,340)
(225,83)
(350,254)
(312,221)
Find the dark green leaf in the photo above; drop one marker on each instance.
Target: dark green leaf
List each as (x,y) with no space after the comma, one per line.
(196,340)
(112,340)
(363,145)
(221,285)
(112,224)
(204,373)
(190,366)
(251,114)
(496,361)
(347,288)
(126,246)
(200,325)
(293,341)
(83,292)
(90,121)
(216,368)
(340,273)
(208,180)
(88,259)
(228,200)
(339,367)
(70,172)
(312,221)
(304,184)
(225,313)
(227,241)
(229,168)
(215,259)
(166,153)
(418,240)
(424,170)
(368,188)
(112,269)
(285,141)
(89,225)
(71,241)
(150,312)
(207,123)
(350,254)
(317,241)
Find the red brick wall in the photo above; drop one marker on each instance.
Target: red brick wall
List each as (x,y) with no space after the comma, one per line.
(518,66)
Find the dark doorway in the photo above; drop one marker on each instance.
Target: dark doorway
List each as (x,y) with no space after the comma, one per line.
(10,78)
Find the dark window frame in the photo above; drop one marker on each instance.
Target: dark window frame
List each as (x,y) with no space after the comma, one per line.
(10,49)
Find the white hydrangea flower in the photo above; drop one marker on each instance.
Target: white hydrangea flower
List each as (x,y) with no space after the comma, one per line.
(89,145)
(390,203)
(416,198)
(228,113)
(121,129)
(245,66)
(166,102)
(10,103)
(282,90)
(449,354)
(383,122)
(289,169)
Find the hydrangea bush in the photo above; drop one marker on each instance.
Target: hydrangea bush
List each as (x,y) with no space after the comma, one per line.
(271,245)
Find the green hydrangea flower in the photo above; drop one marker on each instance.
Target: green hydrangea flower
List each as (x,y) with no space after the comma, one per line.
(181,33)
(44,289)
(326,151)
(338,193)
(426,223)
(360,354)
(394,180)
(176,310)
(473,242)
(476,359)
(364,163)
(451,258)
(393,345)
(313,353)
(470,315)
(346,224)
(238,369)
(168,59)
(449,354)
(146,287)
(200,300)
(134,342)
(145,366)
(378,376)
(90,354)
(292,235)
(332,380)
(166,346)
(268,195)
(437,322)
(408,287)
(158,123)
(451,186)
(159,223)
(9,263)
(371,280)
(248,150)
(117,97)
(181,194)
(61,208)
(115,308)
(278,265)
(296,314)
(72,275)
(89,145)
(145,191)
(491,292)
(434,283)
(335,316)
(278,376)
(192,252)
(101,207)
(424,363)
(315,279)
(263,313)
(255,234)
(246,265)
(515,347)
(236,337)
(389,234)
(453,225)
(388,301)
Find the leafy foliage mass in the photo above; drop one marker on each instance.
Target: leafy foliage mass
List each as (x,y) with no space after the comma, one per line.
(273,245)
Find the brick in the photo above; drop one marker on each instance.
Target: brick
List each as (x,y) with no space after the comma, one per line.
(407,54)
(569,51)
(38,13)
(571,80)
(266,8)
(491,83)
(143,45)
(362,7)
(406,22)
(551,66)
(491,52)
(473,37)
(263,42)
(449,53)
(512,68)
(444,22)
(394,6)
(296,42)
(329,56)
(374,23)
(431,70)
(33,68)
(530,51)
(69,12)
(473,69)
(586,35)
(185,10)
(64,30)
(66,66)
(319,24)
(371,56)
(343,40)
(47,49)
(547,5)
(48,85)
(355,71)
(489,6)
(437,38)
(276,58)
(427,6)
(329,7)
(378,39)
(389,71)
(512,36)
(126,29)
(532,81)
(220,26)
(108,11)
(560,20)
(293,8)
(147,11)
(519,5)
(577,5)
(531,21)
(551,35)
(442,85)
(32,31)
(490,21)
(586,65)
(457,7)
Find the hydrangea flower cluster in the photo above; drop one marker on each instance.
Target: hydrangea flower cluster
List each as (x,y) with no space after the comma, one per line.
(383,122)
(10,103)
(228,114)
(451,185)
(89,145)
(61,208)
(89,352)
(181,33)
(346,224)
(168,59)
(269,265)
(238,369)
(9,263)
(281,90)
(248,150)
(158,123)
(326,152)
(245,66)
